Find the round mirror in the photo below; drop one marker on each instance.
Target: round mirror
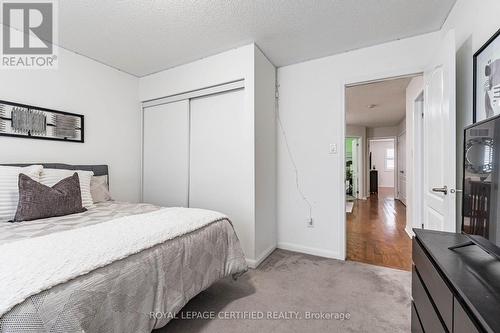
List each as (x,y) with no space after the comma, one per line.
(479,156)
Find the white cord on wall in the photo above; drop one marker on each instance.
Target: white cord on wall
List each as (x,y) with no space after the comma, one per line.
(290,155)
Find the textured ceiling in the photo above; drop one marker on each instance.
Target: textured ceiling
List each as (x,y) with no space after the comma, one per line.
(389,97)
(145,36)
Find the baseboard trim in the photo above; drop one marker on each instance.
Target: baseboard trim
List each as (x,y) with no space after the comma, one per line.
(250,263)
(309,250)
(254,263)
(409,232)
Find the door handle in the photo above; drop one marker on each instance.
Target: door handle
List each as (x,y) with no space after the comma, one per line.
(443,189)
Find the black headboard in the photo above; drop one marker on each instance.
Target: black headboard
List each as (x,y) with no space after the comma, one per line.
(99,170)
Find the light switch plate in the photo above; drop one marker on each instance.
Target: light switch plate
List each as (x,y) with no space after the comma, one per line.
(333,148)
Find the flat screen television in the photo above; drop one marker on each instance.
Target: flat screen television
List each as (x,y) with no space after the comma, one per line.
(481,185)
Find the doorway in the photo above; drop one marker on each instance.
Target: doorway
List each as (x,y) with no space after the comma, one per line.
(383,164)
(377,218)
(353,171)
(354,179)
(437,198)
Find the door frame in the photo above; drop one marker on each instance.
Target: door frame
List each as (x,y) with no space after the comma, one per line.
(416,199)
(348,82)
(398,171)
(361,163)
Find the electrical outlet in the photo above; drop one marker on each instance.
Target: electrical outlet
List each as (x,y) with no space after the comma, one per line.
(309,222)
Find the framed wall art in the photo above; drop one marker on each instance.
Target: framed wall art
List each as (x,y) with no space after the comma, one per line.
(33,122)
(487,80)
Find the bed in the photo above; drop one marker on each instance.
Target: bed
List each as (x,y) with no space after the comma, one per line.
(137,293)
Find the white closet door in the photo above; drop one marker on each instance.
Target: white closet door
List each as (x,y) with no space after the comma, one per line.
(166,154)
(220,158)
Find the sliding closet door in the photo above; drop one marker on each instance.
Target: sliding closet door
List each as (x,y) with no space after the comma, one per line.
(166,154)
(221,162)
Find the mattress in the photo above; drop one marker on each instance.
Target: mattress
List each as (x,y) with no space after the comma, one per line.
(127,295)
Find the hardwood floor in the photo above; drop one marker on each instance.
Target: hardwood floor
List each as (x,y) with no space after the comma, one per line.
(376,232)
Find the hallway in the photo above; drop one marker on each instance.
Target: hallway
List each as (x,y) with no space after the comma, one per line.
(376,232)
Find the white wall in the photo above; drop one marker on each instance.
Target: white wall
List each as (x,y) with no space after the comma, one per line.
(402,126)
(311,106)
(382,132)
(109,100)
(265,156)
(378,150)
(474,24)
(228,66)
(353,131)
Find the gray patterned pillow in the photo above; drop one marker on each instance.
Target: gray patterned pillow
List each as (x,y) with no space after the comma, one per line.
(37,201)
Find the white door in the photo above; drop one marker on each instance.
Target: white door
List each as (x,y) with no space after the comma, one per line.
(221,162)
(440,139)
(166,154)
(354,169)
(402,168)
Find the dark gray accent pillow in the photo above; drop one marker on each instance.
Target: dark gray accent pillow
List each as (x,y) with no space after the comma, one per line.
(37,201)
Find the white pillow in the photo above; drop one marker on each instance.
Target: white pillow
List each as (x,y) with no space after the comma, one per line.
(9,188)
(99,189)
(50,177)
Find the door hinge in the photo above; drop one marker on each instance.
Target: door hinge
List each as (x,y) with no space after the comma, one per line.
(423,226)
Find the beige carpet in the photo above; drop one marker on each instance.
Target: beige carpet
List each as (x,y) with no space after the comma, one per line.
(375,299)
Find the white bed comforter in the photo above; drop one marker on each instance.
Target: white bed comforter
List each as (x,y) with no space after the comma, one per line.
(37,264)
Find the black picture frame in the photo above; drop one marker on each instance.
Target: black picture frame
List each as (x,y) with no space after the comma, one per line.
(82,122)
(475,74)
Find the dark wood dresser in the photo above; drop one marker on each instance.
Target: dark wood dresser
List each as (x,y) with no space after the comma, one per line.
(453,291)
(373,181)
